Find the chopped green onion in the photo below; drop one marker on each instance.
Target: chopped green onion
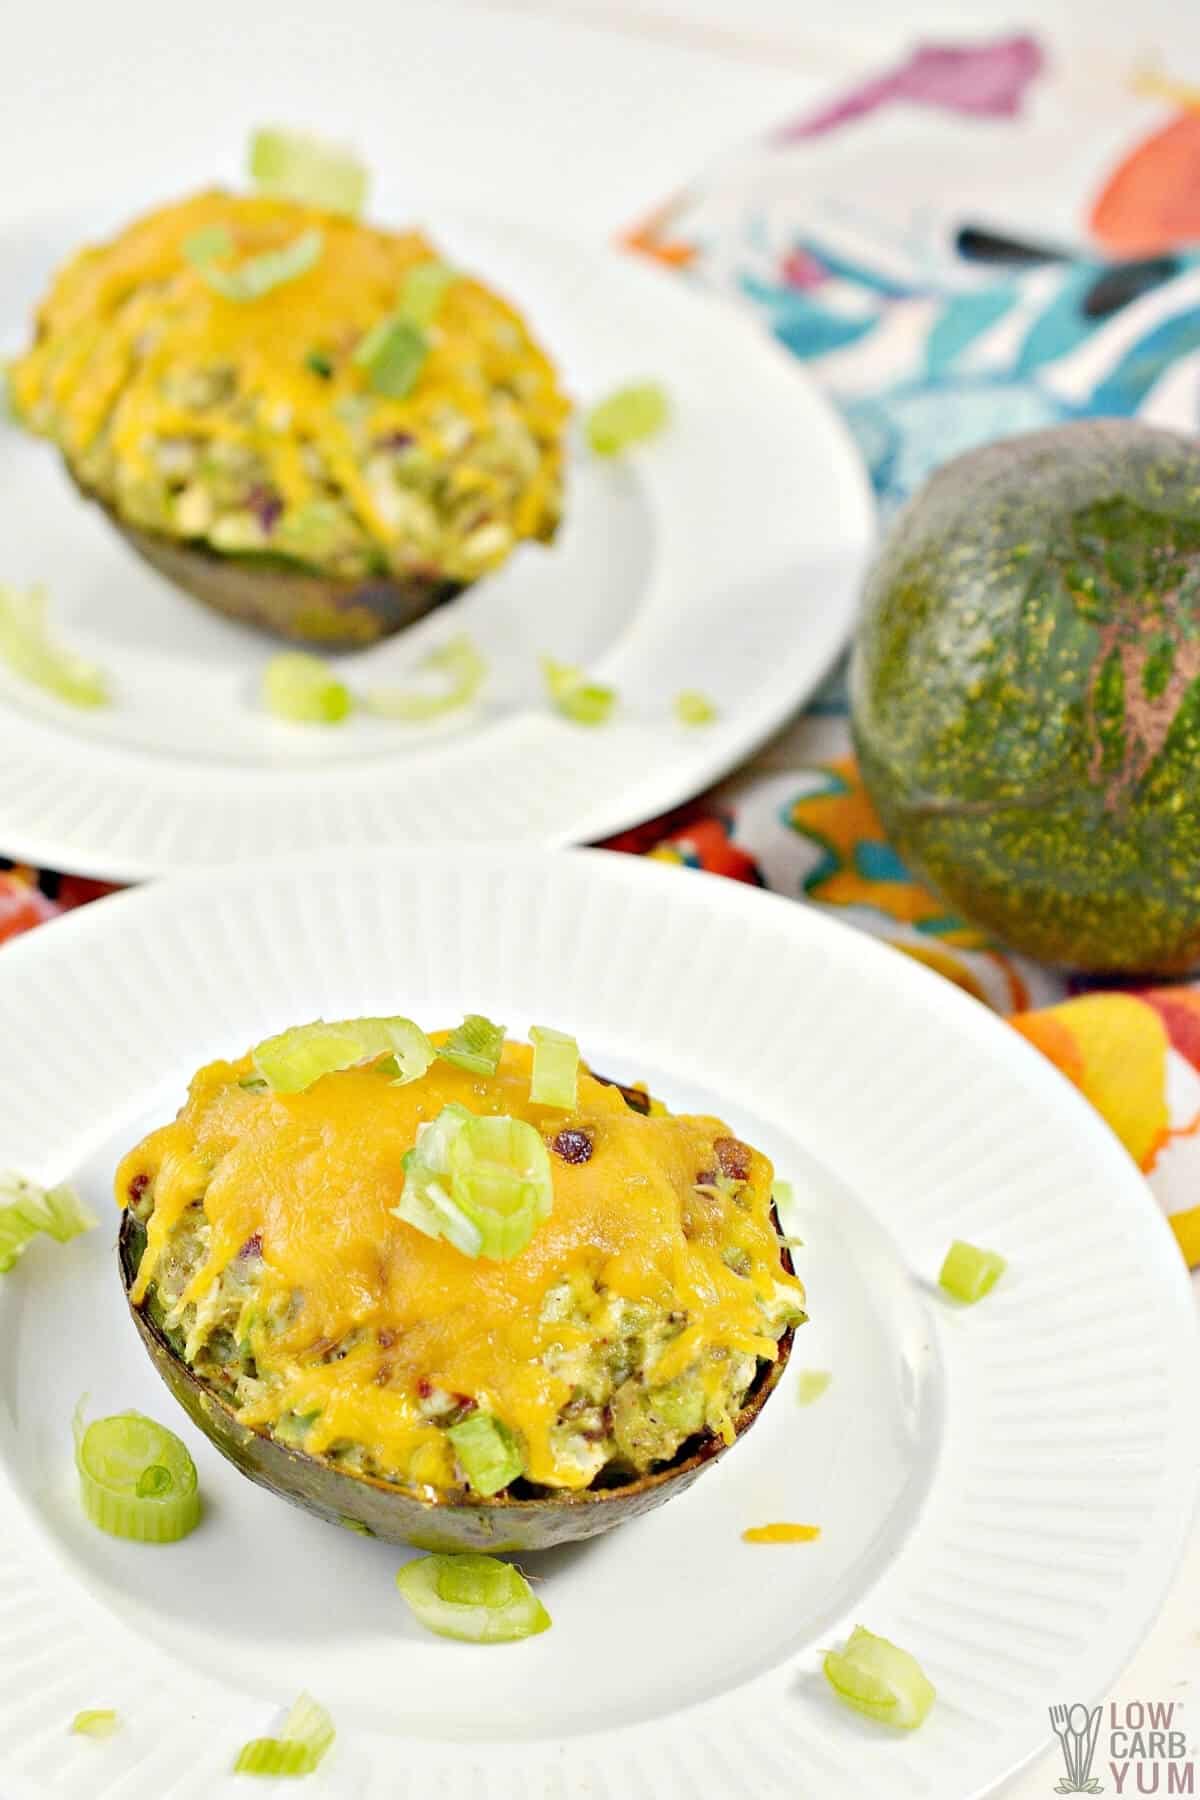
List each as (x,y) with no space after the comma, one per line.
(782,1193)
(812,1384)
(423,289)
(208,244)
(298,166)
(968,1273)
(880,1680)
(692,708)
(555,1079)
(629,416)
(27,1210)
(30,652)
(259,274)
(488,1451)
(304,690)
(500,1178)
(97,1722)
(300,1748)
(475,1045)
(392,355)
(474,1599)
(582,701)
(464,670)
(317,363)
(295,1059)
(483,1184)
(136,1479)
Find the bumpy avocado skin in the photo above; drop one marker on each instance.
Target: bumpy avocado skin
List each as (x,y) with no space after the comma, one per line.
(1025,693)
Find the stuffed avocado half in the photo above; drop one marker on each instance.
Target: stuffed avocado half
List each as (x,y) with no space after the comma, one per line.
(413,1298)
(306,421)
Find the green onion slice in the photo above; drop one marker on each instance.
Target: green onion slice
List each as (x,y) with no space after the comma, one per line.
(488,1451)
(307,1736)
(474,1599)
(295,1059)
(136,1479)
(693,708)
(555,1079)
(475,1045)
(968,1273)
(482,1183)
(423,290)
(460,666)
(27,1210)
(304,690)
(298,166)
(30,652)
(628,417)
(258,274)
(96,1722)
(812,1384)
(582,701)
(879,1679)
(392,355)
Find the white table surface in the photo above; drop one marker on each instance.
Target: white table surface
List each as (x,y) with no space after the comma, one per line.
(584,113)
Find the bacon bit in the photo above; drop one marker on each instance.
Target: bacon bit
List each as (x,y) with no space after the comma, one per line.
(252,1245)
(465,1404)
(733,1156)
(383,1375)
(386,1338)
(574,1146)
(781,1534)
(137,1187)
(424,1386)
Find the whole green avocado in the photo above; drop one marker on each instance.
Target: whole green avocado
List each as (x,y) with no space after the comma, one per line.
(1025,692)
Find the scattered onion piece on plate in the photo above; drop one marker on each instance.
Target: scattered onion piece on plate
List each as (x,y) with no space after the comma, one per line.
(30,652)
(304,690)
(570,692)
(95,1722)
(27,1211)
(879,1679)
(812,1384)
(307,1736)
(463,671)
(693,708)
(629,416)
(969,1273)
(474,1599)
(136,1478)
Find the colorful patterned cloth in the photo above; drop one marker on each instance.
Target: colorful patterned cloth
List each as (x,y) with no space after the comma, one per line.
(935,330)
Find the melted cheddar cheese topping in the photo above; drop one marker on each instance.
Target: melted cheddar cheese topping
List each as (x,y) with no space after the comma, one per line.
(140,371)
(356,1314)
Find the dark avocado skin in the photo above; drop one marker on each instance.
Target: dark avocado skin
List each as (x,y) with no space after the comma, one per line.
(287,599)
(400,1515)
(1025,693)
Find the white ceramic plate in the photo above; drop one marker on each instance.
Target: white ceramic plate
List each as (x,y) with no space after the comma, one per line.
(1001,1489)
(725,557)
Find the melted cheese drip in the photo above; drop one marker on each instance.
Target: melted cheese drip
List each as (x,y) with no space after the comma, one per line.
(782,1534)
(119,319)
(317,1176)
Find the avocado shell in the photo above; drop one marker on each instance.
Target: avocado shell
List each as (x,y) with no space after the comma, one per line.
(287,598)
(462,1521)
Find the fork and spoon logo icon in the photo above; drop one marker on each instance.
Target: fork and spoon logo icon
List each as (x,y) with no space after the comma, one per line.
(1077,1731)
